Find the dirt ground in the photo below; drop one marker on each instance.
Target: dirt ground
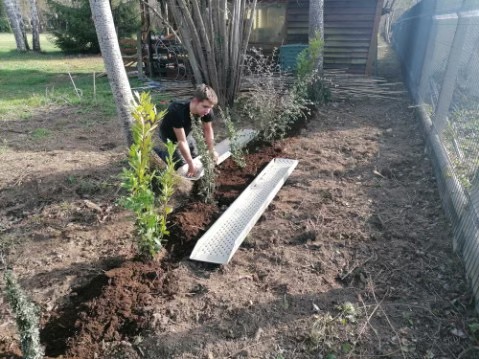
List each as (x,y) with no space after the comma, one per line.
(352,259)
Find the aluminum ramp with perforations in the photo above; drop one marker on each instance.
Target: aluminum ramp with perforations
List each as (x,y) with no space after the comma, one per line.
(220,242)
(223,150)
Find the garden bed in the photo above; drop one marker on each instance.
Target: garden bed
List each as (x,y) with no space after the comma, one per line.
(114,305)
(352,259)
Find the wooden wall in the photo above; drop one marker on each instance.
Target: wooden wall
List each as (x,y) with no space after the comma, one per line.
(297,22)
(350,34)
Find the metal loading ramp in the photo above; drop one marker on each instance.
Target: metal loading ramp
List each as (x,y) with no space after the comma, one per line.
(220,242)
(223,149)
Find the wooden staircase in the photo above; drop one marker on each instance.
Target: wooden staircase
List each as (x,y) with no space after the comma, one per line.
(350,32)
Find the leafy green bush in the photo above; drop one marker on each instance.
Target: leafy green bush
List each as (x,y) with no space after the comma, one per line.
(73,27)
(4,23)
(308,79)
(151,212)
(237,152)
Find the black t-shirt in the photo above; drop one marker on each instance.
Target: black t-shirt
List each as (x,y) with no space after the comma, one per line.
(178,116)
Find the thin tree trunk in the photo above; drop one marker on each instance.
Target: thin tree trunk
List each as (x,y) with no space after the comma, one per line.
(216,41)
(223,27)
(35,26)
(234,47)
(11,9)
(114,66)
(316,25)
(220,40)
(22,26)
(210,58)
(248,25)
(187,42)
(198,47)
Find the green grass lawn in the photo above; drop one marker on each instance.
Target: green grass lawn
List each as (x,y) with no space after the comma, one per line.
(31,80)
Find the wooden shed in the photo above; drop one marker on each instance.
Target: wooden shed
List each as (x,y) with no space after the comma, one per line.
(350,30)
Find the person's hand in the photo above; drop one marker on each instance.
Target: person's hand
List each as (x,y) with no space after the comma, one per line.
(192,170)
(215,156)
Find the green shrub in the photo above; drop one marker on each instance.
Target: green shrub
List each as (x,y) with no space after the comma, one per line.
(308,60)
(73,27)
(276,100)
(271,102)
(237,152)
(308,82)
(4,23)
(151,212)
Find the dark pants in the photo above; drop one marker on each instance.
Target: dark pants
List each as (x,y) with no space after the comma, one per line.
(177,156)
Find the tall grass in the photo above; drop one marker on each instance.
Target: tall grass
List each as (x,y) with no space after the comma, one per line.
(32,80)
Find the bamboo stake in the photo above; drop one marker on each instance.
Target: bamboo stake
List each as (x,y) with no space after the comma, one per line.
(77,90)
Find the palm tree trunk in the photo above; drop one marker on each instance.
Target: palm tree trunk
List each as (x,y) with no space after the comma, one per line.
(11,8)
(115,69)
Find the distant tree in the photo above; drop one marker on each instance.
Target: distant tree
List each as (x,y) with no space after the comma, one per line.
(4,24)
(73,27)
(12,8)
(110,50)
(22,25)
(14,17)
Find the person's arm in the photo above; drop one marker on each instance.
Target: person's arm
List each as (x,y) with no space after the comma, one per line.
(185,150)
(210,139)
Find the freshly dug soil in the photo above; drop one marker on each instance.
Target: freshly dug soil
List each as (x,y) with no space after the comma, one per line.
(114,306)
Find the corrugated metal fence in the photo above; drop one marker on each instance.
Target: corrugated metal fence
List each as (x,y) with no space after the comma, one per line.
(438,45)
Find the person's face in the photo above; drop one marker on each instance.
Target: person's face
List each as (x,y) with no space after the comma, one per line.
(202,108)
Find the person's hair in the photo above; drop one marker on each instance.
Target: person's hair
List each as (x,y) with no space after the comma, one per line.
(204,92)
